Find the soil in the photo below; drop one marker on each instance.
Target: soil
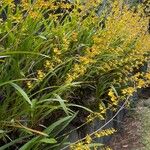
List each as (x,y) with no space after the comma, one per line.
(135,129)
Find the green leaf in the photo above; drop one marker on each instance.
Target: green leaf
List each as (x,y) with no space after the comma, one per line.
(21,91)
(29,144)
(62,126)
(2,131)
(3,57)
(48,140)
(79,106)
(48,130)
(96,144)
(114,90)
(5,147)
(24,79)
(61,101)
(42,37)
(23,52)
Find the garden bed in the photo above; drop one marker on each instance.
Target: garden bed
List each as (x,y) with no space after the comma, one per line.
(69,70)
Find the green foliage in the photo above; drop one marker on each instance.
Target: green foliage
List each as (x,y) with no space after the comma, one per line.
(55,57)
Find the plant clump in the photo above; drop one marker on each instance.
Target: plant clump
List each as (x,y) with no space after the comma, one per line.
(61,61)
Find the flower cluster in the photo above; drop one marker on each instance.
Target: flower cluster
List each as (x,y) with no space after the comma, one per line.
(85,145)
(113,97)
(105,132)
(128,91)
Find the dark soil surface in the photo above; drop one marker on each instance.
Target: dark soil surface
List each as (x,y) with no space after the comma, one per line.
(135,132)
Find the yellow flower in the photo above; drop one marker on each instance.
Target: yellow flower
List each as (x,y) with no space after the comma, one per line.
(147,75)
(48,64)
(113,97)
(88,139)
(136,76)
(85,60)
(57,51)
(105,132)
(75,36)
(69,78)
(40,74)
(34,14)
(57,60)
(78,146)
(141,83)
(65,6)
(128,91)
(102,108)
(16,18)
(29,84)
(9,2)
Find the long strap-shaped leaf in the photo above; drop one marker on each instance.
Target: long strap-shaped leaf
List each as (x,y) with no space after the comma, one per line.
(13,142)
(16,80)
(22,52)
(62,103)
(22,92)
(29,145)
